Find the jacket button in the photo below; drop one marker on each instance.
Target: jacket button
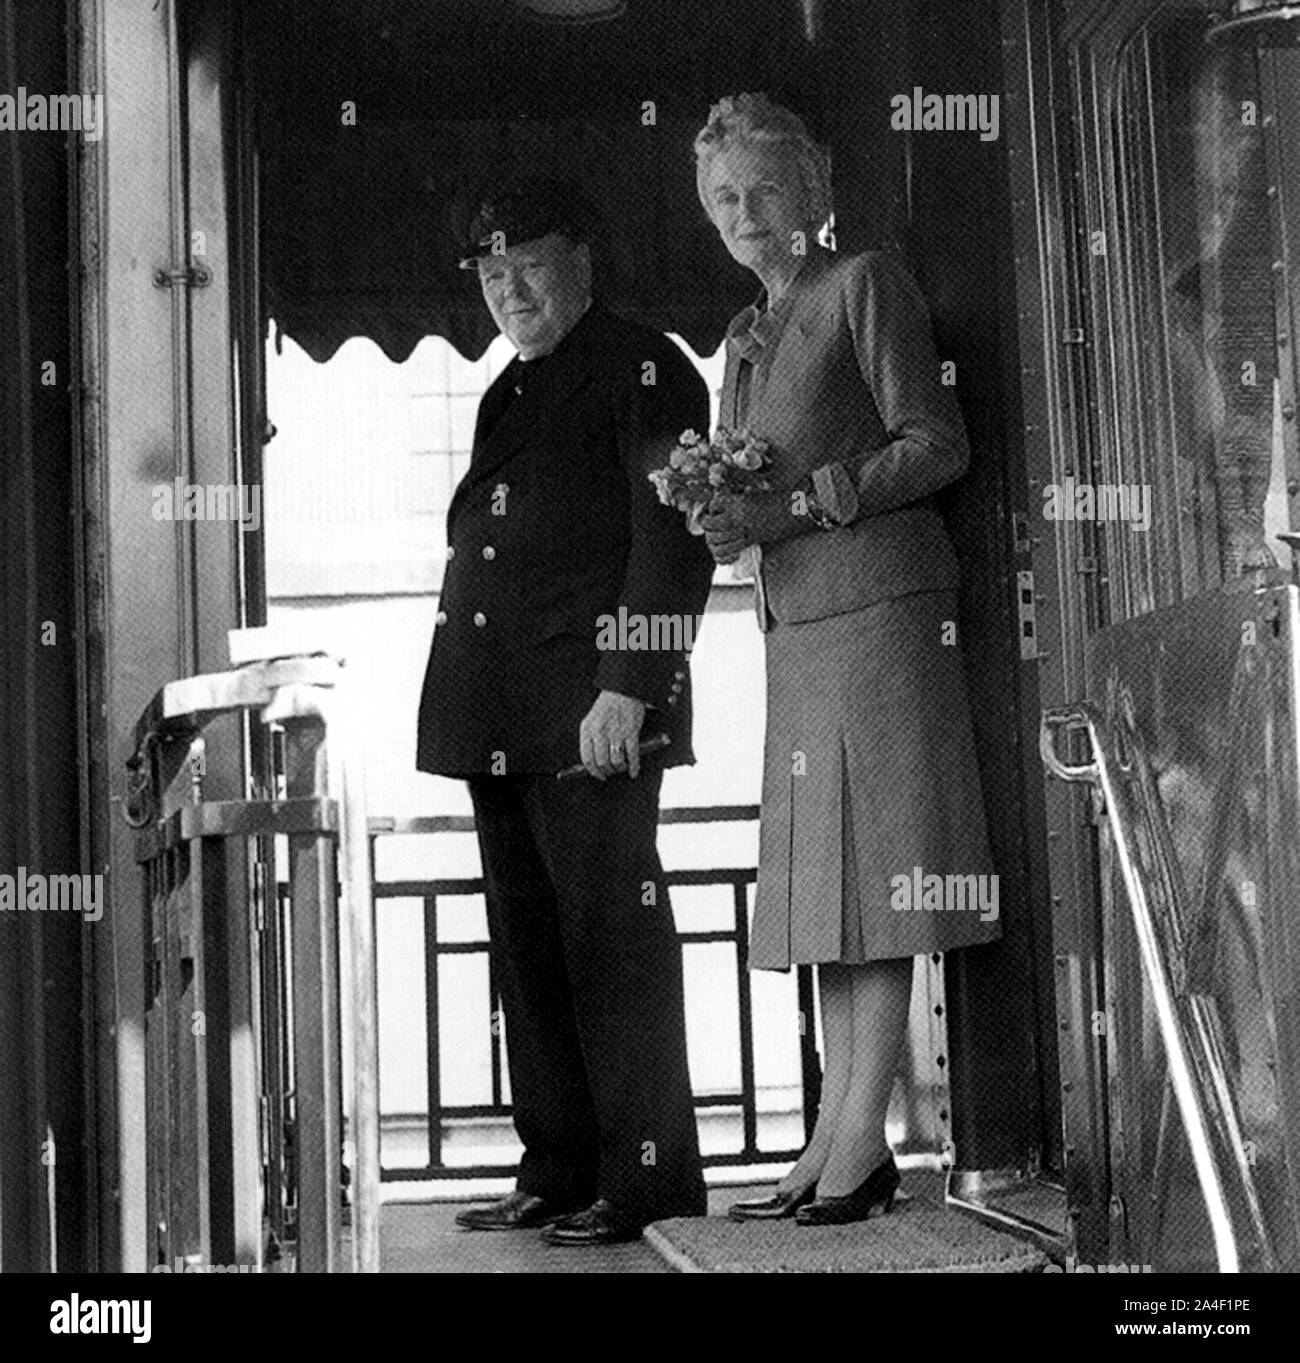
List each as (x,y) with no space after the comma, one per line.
(672,700)
(489,552)
(676,687)
(480,619)
(681,676)
(451,552)
(440,618)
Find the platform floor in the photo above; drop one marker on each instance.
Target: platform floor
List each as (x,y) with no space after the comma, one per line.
(423,1238)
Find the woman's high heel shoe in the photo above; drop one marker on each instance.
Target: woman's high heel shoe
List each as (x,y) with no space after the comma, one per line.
(880,1186)
(772,1208)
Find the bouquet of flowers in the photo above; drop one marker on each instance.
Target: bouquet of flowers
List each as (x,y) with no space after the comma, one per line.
(732,461)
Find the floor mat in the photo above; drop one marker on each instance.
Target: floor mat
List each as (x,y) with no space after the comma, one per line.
(916,1237)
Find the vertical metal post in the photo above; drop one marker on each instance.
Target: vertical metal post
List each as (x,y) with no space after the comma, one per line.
(363,984)
(271,971)
(496,1013)
(810,1067)
(432,1032)
(157,1106)
(213,1039)
(748,1095)
(186,1206)
(317,1136)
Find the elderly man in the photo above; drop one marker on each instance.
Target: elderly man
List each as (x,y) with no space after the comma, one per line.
(554,526)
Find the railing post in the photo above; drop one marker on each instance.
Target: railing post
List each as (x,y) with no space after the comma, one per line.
(810,1065)
(205,1193)
(317,1089)
(1105,772)
(355,864)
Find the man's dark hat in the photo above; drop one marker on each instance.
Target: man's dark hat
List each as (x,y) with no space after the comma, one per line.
(523,210)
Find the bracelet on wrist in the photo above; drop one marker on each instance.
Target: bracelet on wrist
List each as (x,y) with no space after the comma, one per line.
(818,513)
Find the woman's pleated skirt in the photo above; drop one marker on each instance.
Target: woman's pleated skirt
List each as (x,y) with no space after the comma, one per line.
(873,842)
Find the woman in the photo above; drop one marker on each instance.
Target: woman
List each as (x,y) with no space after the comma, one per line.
(869,766)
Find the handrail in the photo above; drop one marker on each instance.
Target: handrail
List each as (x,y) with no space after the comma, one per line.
(287,688)
(1101,772)
(393,826)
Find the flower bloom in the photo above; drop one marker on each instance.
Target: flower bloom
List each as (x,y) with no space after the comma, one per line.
(660,480)
(698,468)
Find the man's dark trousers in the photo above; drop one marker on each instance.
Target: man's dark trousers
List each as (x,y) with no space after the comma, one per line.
(589,968)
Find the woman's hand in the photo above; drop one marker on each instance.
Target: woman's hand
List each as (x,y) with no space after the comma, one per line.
(735,521)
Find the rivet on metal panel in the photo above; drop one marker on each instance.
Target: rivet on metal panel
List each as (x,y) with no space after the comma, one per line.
(1067,1086)
(1288,411)
(1062,961)
(1065,1024)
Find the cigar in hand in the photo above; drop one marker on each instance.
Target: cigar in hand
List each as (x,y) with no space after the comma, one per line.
(648,745)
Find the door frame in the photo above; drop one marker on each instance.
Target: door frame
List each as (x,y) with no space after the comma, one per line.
(156,403)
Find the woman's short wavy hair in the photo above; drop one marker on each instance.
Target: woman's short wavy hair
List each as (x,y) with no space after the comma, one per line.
(758,121)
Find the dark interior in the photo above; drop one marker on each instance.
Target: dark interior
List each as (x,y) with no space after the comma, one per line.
(362,223)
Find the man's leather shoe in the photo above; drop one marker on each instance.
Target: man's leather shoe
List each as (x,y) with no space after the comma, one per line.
(600,1224)
(518,1211)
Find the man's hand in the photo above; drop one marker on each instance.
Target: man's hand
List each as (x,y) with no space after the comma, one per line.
(609,735)
(733,522)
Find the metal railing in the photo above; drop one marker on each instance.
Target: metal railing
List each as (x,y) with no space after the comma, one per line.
(261,1016)
(1121,777)
(237,1140)
(429,892)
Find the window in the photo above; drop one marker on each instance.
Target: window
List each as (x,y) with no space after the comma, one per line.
(365,460)
(1188,325)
